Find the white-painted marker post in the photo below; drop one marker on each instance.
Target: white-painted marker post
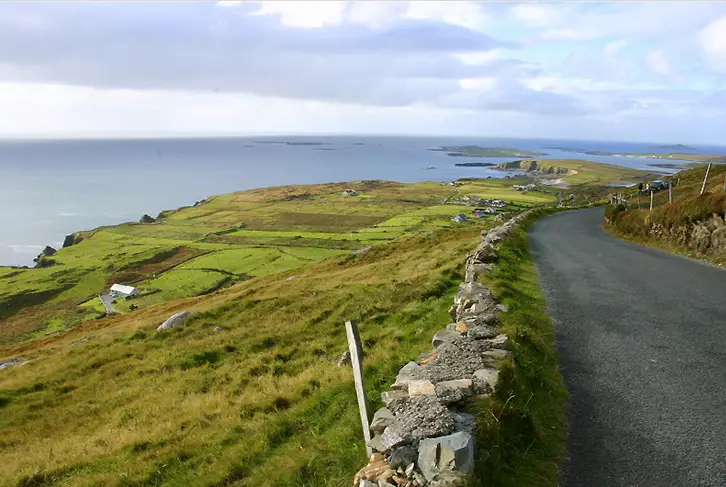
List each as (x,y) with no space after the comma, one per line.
(356,359)
(670,192)
(651,200)
(705,179)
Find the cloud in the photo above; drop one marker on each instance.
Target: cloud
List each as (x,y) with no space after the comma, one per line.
(713,41)
(657,62)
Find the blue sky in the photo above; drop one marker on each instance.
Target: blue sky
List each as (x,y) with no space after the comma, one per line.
(650,71)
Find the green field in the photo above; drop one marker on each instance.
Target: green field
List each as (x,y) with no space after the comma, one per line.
(227,239)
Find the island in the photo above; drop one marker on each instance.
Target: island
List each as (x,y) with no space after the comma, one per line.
(475,164)
(678,156)
(479,151)
(675,147)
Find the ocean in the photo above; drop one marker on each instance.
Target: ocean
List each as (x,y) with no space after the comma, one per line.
(50,188)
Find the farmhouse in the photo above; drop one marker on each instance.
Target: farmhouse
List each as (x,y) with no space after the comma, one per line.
(460,218)
(350,192)
(121,291)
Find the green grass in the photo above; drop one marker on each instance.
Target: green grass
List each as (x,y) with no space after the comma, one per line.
(250,233)
(522,427)
(259,403)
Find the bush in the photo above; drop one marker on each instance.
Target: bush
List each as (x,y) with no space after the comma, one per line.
(612,211)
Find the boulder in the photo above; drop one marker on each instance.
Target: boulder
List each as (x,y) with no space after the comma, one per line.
(72,239)
(147,219)
(175,320)
(381,420)
(500,341)
(482,332)
(446,455)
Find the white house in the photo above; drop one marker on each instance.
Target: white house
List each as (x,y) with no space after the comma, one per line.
(121,291)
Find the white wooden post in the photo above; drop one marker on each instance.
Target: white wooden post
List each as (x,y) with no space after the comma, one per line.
(651,199)
(705,179)
(356,359)
(670,192)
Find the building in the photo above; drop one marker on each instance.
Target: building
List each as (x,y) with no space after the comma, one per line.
(478,214)
(460,218)
(121,291)
(350,192)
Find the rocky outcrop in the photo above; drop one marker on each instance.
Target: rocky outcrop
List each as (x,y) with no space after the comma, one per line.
(424,437)
(43,260)
(706,237)
(72,239)
(147,219)
(175,320)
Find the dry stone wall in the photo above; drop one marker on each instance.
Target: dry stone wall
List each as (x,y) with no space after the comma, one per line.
(424,436)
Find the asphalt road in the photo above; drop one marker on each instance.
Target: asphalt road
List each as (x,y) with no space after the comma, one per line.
(642,340)
(107,301)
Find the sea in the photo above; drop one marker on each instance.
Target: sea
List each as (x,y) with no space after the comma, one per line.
(50,188)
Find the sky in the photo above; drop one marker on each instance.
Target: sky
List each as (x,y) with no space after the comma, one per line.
(641,71)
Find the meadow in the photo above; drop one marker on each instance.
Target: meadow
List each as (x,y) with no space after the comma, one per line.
(248,393)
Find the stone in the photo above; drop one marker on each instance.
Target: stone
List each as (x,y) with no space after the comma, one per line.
(386,475)
(482,332)
(503,308)
(442,336)
(361,251)
(497,354)
(418,417)
(462,326)
(419,478)
(368,483)
(500,341)
(175,320)
(458,359)
(402,456)
(11,362)
(464,422)
(425,358)
(218,328)
(384,483)
(421,388)
(381,420)
(446,454)
(387,397)
(376,443)
(344,359)
(376,466)
(406,373)
(391,438)
(485,380)
(454,391)
(409,469)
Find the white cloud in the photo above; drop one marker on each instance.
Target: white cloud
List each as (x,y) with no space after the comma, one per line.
(485,84)
(713,41)
(305,14)
(479,58)
(464,14)
(538,15)
(657,62)
(615,46)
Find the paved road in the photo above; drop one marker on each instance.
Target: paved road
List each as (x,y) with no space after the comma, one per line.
(107,301)
(642,341)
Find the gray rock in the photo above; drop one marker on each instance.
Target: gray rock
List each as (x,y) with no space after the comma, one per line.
(449,454)
(392,437)
(421,388)
(485,380)
(419,478)
(406,373)
(384,483)
(11,362)
(458,359)
(482,332)
(381,420)
(464,422)
(402,456)
(503,308)
(387,397)
(454,391)
(443,336)
(500,341)
(376,443)
(417,418)
(367,483)
(409,470)
(361,251)
(175,320)
(218,328)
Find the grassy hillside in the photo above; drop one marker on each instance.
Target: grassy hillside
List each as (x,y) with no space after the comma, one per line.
(674,226)
(223,240)
(258,403)
(576,171)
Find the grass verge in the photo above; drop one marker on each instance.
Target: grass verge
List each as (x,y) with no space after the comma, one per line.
(522,427)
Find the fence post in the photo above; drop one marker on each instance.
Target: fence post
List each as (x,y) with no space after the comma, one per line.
(356,359)
(724,183)
(705,179)
(670,192)
(651,199)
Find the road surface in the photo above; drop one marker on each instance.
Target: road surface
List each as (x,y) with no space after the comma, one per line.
(107,301)
(642,340)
